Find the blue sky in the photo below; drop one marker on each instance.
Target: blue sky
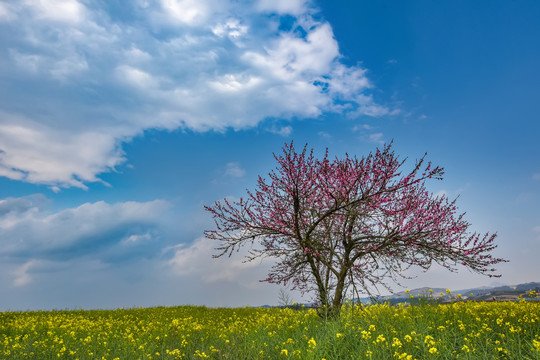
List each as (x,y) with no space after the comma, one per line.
(119,121)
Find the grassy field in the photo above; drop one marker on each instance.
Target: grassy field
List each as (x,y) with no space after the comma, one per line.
(462,330)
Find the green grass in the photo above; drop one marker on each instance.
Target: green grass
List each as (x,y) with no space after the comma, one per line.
(463,330)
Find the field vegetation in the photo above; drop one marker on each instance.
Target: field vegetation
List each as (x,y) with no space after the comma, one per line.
(460,330)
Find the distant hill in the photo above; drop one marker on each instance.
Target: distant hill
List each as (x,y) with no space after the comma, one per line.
(496,293)
(484,293)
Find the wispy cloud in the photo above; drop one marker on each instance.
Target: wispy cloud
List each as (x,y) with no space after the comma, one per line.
(234,170)
(377,138)
(362,127)
(281,130)
(22,275)
(99,77)
(536,176)
(367,133)
(324,135)
(440,193)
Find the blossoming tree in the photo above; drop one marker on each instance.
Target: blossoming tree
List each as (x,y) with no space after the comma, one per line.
(348,225)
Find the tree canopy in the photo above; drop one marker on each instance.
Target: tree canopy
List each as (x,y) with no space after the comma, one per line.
(349,224)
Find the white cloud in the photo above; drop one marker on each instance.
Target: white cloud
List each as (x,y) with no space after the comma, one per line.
(324,135)
(377,138)
(27,62)
(361,127)
(134,54)
(291,58)
(68,11)
(231,28)
(37,153)
(10,173)
(66,67)
(440,193)
(21,274)
(196,260)
(6,13)
(190,12)
(202,65)
(292,7)
(367,106)
(234,170)
(347,82)
(536,176)
(232,83)
(137,238)
(61,69)
(137,78)
(281,130)
(29,230)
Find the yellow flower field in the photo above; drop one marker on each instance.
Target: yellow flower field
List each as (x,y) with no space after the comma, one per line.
(462,330)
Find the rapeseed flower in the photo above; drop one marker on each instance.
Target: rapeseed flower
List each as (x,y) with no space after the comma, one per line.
(469,328)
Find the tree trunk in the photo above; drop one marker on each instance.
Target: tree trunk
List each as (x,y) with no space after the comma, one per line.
(338,295)
(323,290)
(340,285)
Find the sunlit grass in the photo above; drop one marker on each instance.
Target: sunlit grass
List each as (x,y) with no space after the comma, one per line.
(462,330)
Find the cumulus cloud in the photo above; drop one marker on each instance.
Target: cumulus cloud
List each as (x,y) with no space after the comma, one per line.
(98,78)
(38,153)
(232,28)
(190,12)
(30,233)
(66,11)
